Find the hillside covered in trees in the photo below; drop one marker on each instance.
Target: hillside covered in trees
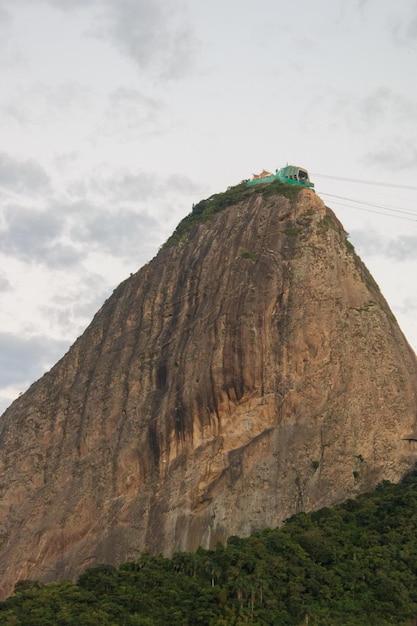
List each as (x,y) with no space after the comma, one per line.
(352,565)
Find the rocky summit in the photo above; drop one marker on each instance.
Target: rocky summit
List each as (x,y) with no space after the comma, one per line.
(250,371)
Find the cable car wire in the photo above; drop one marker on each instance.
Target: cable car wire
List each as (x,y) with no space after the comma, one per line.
(398,217)
(372,204)
(364,182)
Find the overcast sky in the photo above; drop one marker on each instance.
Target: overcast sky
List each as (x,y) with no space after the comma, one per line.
(117,115)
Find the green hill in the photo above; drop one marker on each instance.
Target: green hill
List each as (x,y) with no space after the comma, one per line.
(352,565)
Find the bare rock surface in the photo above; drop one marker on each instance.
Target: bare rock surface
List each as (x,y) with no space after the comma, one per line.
(247,373)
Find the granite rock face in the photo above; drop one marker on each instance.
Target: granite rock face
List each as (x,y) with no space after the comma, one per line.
(248,373)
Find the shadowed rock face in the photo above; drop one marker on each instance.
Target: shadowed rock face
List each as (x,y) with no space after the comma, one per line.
(250,373)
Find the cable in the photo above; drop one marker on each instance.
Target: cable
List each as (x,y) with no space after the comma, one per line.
(398,217)
(365,182)
(374,204)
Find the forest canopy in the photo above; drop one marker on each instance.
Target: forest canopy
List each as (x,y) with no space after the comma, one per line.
(351,565)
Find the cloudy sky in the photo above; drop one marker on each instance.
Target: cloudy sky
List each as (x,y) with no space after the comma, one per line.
(117,115)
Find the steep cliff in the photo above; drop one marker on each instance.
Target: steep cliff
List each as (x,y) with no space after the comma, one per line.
(250,371)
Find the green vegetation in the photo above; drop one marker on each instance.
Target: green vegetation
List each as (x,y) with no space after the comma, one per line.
(349,245)
(277,187)
(292,231)
(365,307)
(327,222)
(352,565)
(248,255)
(205,209)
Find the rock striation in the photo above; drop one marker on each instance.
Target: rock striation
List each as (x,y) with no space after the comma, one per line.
(251,371)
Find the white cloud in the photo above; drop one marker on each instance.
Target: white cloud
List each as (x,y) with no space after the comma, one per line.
(370,243)
(395,153)
(131,114)
(408,306)
(382,106)
(22,176)
(404,26)
(4,283)
(402,248)
(153,33)
(138,187)
(23,359)
(29,234)
(118,234)
(5,21)
(362,3)
(71,309)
